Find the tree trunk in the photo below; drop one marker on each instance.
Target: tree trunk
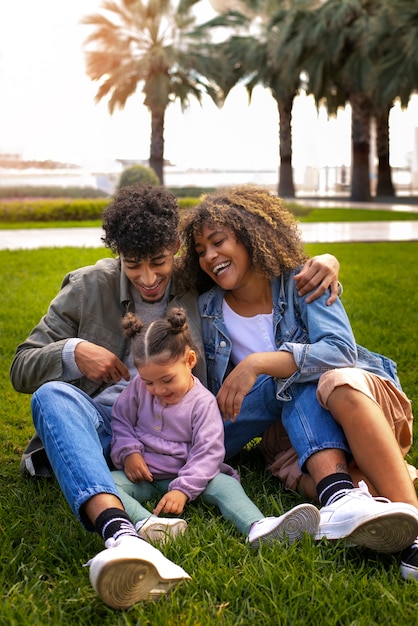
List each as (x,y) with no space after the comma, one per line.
(384,175)
(156,160)
(360,142)
(286,187)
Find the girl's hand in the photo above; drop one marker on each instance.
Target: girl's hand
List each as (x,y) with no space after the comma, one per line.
(172,502)
(319,273)
(136,469)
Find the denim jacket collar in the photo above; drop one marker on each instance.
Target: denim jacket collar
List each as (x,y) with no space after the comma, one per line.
(211,302)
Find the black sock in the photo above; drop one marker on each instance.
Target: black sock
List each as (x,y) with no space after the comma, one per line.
(333,487)
(114,523)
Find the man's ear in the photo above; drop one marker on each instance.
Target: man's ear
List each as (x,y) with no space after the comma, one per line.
(176,246)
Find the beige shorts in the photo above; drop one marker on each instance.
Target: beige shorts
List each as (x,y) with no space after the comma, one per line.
(275,445)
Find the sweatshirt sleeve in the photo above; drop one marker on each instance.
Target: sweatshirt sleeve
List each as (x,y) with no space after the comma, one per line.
(207,451)
(124,417)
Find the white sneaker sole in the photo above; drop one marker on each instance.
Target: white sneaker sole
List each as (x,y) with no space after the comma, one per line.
(291,526)
(160,532)
(392,532)
(124,582)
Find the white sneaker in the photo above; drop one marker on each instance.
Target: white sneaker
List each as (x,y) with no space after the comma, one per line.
(290,526)
(132,570)
(375,523)
(160,528)
(409,562)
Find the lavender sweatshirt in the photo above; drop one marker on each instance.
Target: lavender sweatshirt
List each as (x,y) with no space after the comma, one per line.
(184,440)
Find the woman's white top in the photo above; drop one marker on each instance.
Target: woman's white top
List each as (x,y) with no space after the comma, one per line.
(248,334)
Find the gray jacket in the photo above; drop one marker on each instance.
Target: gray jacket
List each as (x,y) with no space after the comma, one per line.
(90,304)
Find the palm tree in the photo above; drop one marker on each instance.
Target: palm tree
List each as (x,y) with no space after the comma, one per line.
(364,52)
(384,175)
(259,55)
(145,43)
(393,35)
(339,71)
(282,74)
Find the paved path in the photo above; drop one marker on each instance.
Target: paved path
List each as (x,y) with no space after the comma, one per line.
(317,232)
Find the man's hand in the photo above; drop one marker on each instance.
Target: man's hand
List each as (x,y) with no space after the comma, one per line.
(172,502)
(319,274)
(99,364)
(136,469)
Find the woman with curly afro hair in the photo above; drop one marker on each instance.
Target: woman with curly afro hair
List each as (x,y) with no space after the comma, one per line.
(259,221)
(270,356)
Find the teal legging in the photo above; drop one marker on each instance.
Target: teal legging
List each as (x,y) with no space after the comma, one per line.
(223,491)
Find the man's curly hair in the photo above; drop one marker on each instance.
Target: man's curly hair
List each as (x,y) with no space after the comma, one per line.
(141,221)
(257,218)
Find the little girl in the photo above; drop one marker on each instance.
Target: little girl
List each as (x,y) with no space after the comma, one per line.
(168,439)
(269,352)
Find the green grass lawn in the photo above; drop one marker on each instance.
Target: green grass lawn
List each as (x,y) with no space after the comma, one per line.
(43,547)
(357,215)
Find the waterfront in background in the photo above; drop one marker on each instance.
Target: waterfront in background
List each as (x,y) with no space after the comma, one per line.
(321,181)
(107,180)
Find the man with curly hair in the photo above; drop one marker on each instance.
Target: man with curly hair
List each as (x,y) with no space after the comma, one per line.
(77,360)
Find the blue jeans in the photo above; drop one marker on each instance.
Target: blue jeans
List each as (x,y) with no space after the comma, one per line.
(223,491)
(309,426)
(76,434)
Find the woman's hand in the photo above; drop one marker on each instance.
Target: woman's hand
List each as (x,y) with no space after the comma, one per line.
(317,275)
(235,387)
(240,381)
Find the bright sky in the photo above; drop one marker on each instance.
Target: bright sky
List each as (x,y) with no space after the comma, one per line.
(47,108)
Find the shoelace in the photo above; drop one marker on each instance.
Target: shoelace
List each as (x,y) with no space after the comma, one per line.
(363,488)
(414,545)
(139,526)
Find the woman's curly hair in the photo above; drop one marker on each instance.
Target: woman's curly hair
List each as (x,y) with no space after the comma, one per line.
(257,218)
(141,221)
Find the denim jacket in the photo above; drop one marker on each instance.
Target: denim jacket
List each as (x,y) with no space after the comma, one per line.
(319,337)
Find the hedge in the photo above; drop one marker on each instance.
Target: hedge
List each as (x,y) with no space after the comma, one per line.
(45,210)
(49,191)
(61,210)
(79,209)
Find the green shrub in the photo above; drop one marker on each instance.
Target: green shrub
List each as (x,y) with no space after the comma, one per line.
(79,209)
(45,210)
(190,201)
(61,209)
(32,191)
(191,192)
(138,174)
(186,203)
(298,210)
